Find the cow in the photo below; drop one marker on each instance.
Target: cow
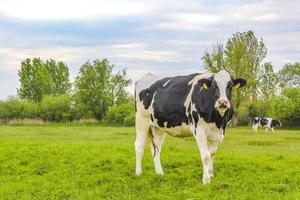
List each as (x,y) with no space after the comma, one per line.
(198,104)
(265,122)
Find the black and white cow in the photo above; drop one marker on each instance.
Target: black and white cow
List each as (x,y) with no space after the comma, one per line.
(197,104)
(265,122)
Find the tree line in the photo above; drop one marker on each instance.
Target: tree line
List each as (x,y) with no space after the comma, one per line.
(47,93)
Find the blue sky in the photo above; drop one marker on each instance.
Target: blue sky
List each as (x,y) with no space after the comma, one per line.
(166,37)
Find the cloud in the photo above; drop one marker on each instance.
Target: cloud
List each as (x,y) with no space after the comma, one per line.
(70,9)
(165,37)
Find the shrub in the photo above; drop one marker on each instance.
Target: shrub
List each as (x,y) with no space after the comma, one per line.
(122,114)
(55,108)
(287,106)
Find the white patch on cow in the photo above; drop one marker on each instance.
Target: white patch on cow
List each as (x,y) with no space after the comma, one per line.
(165,124)
(164,85)
(222,78)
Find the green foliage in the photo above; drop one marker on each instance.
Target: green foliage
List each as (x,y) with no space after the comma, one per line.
(242,57)
(92,162)
(38,78)
(14,108)
(122,114)
(287,106)
(268,80)
(289,75)
(55,108)
(215,61)
(96,88)
(244,54)
(59,73)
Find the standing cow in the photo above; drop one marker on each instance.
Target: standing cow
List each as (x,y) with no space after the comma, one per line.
(265,122)
(197,104)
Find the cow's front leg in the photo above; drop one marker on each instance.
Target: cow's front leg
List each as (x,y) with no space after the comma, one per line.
(201,139)
(212,147)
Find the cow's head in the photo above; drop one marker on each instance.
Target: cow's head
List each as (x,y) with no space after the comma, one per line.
(221,85)
(277,122)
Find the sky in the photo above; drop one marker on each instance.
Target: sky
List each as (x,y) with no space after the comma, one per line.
(164,37)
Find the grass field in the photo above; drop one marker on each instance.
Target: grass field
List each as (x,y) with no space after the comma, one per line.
(89,162)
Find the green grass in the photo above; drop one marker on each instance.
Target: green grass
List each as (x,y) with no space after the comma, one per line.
(89,162)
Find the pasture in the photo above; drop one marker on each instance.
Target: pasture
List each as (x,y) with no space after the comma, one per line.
(91,162)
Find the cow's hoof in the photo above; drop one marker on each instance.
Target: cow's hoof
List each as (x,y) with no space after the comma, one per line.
(138,173)
(160,173)
(206,180)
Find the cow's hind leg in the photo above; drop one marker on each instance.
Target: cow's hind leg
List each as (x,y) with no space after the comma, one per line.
(157,139)
(142,130)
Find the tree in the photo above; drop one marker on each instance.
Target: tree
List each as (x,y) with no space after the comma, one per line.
(59,73)
(96,89)
(215,61)
(242,57)
(117,87)
(267,82)
(38,78)
(35,80)
(289,75)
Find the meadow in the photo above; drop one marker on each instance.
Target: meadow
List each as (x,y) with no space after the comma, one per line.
(92,162)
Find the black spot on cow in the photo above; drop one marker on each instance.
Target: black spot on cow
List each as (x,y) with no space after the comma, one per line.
(190,118)
(263,121)
(151,116)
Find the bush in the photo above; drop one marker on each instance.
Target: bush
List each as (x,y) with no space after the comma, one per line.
(55,108)
(287,106)
(14,108)
(122,114)
(31,110)
(130,119)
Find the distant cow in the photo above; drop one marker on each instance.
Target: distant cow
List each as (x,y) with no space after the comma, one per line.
(265,122)
(197,104)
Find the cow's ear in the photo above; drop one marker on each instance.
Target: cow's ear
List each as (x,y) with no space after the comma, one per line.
(205,83)
(239,82)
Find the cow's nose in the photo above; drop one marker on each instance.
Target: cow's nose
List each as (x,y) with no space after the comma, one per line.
(223,103)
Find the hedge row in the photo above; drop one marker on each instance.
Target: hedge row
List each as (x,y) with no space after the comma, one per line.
(61,109)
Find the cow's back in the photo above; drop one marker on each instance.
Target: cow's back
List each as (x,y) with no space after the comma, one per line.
(165,98)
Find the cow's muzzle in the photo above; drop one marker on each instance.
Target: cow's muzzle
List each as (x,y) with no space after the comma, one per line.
(222,106)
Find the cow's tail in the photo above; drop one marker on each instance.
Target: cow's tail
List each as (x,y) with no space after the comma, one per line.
(155,148)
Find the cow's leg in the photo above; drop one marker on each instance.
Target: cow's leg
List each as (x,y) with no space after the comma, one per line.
(142,129)
(267,129)
(155,145)
(201,139)
(255,128)
(273,130)
(212,150)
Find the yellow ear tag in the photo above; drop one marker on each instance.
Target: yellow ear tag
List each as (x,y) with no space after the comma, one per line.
(204,86)
(237,85)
